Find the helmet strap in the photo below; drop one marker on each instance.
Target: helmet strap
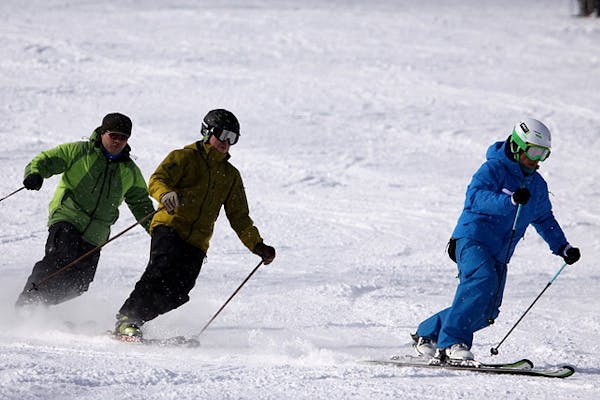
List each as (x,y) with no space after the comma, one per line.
(515,149)
(206,133)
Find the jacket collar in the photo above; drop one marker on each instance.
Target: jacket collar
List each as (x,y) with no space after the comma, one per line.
(211,154)
(509,154)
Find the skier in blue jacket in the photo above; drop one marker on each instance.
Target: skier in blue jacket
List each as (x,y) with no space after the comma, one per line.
(506,189)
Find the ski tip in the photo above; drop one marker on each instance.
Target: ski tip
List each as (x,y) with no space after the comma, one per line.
(563,371)
(522,363)
(528,362)
(569,370)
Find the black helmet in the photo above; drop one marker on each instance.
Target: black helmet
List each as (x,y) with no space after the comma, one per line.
(222,119)
(219,120)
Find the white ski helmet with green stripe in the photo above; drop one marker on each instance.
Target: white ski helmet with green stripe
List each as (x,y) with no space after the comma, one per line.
(530,132)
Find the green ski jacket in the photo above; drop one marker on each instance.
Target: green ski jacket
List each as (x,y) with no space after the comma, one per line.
(92,187)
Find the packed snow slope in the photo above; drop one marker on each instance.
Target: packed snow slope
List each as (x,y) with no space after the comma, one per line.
(362,123)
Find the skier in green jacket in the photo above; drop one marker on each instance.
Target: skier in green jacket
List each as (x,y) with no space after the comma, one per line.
(97,176)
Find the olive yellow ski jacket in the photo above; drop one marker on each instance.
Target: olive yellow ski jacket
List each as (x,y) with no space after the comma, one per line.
(92,187)
(205,181)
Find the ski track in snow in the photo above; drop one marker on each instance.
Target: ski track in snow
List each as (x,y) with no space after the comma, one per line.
(362,123)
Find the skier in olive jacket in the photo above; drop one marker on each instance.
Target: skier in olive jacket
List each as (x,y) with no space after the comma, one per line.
(97,176)
(192,184)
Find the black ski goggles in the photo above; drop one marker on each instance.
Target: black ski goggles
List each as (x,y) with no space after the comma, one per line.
(221,134)
(117,135)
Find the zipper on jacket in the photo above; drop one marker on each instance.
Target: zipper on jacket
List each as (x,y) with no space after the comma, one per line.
(204,199)
(104,174)
(110,178)
(504,271)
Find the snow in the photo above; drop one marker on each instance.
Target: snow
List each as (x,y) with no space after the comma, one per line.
(362,123)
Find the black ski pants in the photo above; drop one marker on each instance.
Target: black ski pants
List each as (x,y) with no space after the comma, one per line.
(63,246)
(171,274)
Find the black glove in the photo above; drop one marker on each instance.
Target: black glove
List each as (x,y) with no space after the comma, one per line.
(521,196)
(33,181)
(266,252)
(570,254)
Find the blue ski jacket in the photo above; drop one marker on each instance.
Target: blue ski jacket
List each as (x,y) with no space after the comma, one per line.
(489,212)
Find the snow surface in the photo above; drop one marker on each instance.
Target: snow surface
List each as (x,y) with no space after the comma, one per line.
(362,123)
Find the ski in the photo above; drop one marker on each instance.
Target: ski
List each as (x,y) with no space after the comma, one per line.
(520,367)
(174,341)
(523,363)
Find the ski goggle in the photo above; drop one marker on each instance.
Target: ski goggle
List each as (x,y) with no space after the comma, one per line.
(537,153)
(117,136)
(221,134)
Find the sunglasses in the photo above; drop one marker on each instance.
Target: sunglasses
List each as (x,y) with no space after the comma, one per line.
(221,134)
(537,153)
(117,136)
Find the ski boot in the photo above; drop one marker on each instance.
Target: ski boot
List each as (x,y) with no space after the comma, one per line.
(127,330)
(424,347)
(457,355)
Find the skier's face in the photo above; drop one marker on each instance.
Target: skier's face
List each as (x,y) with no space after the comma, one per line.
(114,142)
(527,162)
(221,146)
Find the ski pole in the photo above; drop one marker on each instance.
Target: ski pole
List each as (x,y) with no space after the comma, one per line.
(512,237)
(10,194)
(228,300)
(494,350)
(35,286)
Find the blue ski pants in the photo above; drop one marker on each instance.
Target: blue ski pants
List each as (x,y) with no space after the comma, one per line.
(477,298)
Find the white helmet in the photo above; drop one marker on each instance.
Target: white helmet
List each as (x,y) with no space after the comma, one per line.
(531,132)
